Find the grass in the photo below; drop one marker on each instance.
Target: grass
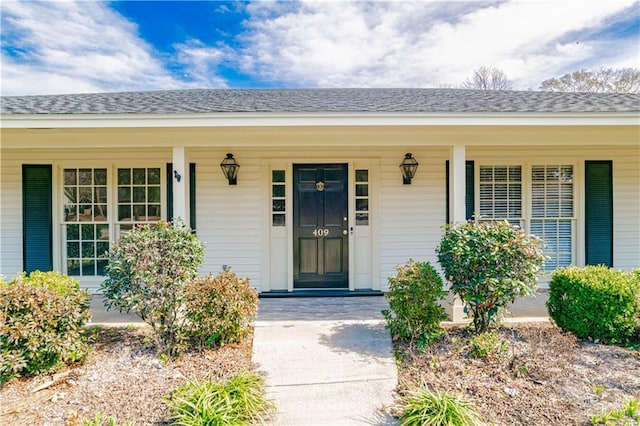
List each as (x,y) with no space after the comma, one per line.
(237,401)
(422,407)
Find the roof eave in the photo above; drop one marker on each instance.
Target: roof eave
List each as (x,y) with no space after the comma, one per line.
(301,119)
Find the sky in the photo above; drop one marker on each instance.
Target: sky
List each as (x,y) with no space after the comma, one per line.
(56,47)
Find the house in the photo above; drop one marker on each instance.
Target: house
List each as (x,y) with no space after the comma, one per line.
(319,200)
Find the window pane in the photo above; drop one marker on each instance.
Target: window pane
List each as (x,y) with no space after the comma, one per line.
(124,176)
(362,204)
(362,190)
(153,176)
(362,175)
(87,232)
(102,248)
(362,218)
(278,205)
(153,195)
(86,195)
(101,266)
(85,177)
(102,232)
(153,212)
(277,176)
(73,232)
(139,213)
(278,191)
(100,213)
(73,267)
(88,267)
(70,177)
(124,213)
(139,176)
(73,249)
(100,176)
(139,195)
(278,219)
(71,213)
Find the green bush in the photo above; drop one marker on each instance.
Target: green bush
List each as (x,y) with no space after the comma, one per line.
(238,401)
(147,272)
(596,302)
(219,309)
(489,265)
(41,324)
(414,313)
(422,407)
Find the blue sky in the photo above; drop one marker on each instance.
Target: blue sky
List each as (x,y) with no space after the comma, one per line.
(90,46)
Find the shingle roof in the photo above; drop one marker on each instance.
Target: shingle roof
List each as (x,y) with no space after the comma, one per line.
(319,100)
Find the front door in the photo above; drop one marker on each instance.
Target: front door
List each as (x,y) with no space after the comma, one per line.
(320,232)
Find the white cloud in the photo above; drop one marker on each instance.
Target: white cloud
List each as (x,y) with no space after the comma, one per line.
(71,47)
(423,43)
(67,47)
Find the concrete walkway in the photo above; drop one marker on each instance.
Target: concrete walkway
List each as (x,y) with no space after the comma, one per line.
(328,360)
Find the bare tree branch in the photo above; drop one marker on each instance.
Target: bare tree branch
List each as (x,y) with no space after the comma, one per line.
(488,78)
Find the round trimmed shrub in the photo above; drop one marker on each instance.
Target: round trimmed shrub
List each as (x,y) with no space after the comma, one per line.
(41,324)
(489,265)
(596,302)
(414,313)
(219,309)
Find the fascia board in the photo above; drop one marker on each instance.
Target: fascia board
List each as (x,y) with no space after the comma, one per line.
(52,121)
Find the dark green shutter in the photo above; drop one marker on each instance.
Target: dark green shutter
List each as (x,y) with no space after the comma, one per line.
(192,194)
(37,223)
(598,188)
(469,196)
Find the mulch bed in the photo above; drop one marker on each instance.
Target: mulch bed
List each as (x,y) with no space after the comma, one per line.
(547,377)
(122,377)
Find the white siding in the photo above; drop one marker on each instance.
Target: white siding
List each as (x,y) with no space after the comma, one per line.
(229,217)
(406,220)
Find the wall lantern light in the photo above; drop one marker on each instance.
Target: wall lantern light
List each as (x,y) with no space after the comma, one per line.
(230,168)
(409,166)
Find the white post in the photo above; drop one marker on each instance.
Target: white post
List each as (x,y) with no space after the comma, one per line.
(457,209)
(180,180)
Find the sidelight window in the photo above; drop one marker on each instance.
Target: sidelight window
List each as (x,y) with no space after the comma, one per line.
(278,199)
(362,197)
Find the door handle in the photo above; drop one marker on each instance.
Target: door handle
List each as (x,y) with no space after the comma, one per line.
(345,232)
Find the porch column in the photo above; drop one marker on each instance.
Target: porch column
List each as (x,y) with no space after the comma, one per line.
(180,180)
(457,211)
(457,176)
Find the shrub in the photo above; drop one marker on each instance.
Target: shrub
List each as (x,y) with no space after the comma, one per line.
(422,407)
(219,309)
(238,401)
(41,323)
(414,313)
(595,302)
(147,271)
(489,265)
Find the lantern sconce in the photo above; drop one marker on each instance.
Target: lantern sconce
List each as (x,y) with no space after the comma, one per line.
(408,167)
(230,168)
(177,176)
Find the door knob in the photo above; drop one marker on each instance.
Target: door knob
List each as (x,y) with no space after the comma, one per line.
(345,232)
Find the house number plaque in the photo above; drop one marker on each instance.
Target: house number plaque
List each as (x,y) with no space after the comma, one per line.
(320,232)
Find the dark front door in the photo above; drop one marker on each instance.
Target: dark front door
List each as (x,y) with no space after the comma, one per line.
(320,232)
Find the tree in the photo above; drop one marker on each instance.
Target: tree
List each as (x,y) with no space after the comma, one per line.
(601,80)
(488,78)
